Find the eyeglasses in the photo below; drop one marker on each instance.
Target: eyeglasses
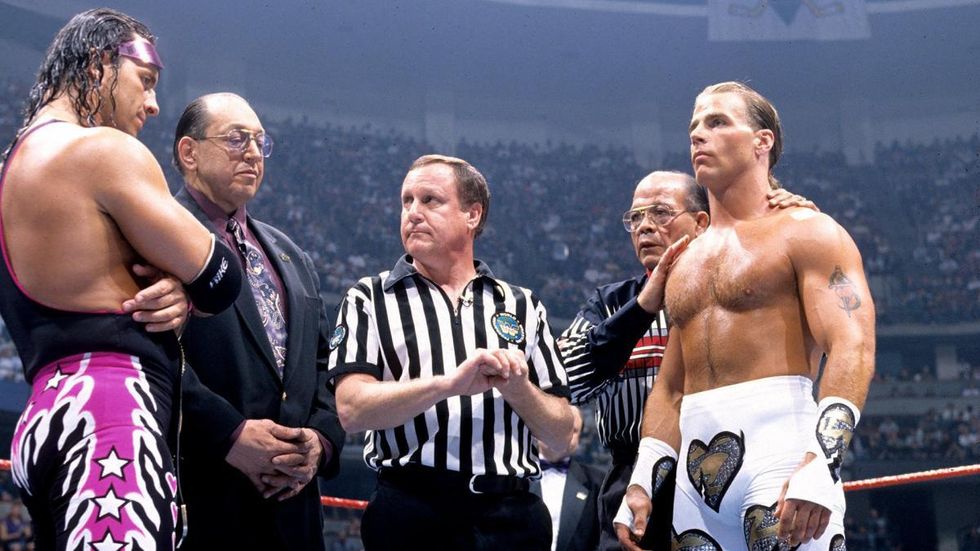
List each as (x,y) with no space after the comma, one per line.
(239,140)
(661,215)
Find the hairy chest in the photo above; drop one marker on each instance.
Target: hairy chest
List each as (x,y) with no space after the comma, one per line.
(732,270)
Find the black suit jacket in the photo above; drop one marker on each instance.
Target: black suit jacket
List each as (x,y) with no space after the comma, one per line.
(578,529)
(232,377)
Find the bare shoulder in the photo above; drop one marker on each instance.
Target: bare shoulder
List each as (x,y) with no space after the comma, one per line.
(110,161)
(811,234)
(106,150)
(804,223)
(84,160)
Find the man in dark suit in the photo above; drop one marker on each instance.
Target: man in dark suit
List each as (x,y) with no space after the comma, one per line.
(570,489)
(259,421)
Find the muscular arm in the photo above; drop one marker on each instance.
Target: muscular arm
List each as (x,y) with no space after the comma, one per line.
(838,306)
(661,420)
(840,317)
(662,412)
(130,188)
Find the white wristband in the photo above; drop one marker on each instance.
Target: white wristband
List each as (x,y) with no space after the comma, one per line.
(624,515)
(813,483)
(651,452)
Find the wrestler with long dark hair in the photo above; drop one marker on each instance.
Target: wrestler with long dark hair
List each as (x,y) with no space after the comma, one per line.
(81,202)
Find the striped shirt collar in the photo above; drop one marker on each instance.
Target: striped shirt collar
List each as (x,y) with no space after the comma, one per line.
(404,268)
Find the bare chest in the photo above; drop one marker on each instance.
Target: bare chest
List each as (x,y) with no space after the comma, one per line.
(731,270)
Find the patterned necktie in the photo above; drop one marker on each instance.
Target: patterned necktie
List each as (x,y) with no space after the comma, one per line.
(267,299)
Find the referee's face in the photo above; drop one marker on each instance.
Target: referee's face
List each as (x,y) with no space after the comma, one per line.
(434,226)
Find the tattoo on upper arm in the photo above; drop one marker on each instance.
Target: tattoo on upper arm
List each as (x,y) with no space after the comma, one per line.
(849,299)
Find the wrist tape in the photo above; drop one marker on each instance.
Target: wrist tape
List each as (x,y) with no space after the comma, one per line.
(654,462)
(813,483)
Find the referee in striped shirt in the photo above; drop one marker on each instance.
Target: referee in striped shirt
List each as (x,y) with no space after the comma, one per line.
(454,373)
(613,348)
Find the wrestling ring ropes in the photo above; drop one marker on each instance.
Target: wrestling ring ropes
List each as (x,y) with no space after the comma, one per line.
(853,486)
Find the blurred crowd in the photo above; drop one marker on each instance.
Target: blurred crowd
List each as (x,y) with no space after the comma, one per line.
(951,433)
(10,366)
(554,226)
(870,533)
(554,218)
(15,525)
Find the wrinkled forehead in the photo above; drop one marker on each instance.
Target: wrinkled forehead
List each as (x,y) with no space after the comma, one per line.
(142,50)
(434,175)
(666,189)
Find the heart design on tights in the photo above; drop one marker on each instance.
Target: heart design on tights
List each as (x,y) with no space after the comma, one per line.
(712,467)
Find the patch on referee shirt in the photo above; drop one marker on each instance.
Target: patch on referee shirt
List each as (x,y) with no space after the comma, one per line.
(507,327)
(339,334)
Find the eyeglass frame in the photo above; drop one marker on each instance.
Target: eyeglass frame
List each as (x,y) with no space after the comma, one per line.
(249,137)
(628,226)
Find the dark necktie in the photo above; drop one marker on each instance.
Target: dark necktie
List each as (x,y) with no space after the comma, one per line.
(561,466)
(267,299)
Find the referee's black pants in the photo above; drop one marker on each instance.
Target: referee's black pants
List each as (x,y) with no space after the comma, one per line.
(425,513)
(611,494)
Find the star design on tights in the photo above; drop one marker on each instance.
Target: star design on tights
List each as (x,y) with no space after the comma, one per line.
(55,379)
(112,464)
(107,543)
(110,505)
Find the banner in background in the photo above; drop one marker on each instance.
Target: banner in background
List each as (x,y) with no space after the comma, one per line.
(740,20)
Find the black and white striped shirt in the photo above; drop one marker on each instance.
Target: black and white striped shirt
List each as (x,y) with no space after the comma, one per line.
(399,326)
(612,353)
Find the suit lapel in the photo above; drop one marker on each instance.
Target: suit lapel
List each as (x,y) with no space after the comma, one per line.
(245,306)
(571,506)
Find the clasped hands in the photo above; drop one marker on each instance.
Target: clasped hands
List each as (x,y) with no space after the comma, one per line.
(279,461)
(503,369)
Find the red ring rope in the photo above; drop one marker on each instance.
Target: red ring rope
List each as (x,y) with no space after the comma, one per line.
(867,484)
(328,501)
(912,478)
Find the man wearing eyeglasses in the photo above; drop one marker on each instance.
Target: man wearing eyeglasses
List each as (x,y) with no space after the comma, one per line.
(613,348)
(259,423)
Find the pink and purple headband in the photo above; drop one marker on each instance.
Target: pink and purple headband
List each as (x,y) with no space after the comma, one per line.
(142,50)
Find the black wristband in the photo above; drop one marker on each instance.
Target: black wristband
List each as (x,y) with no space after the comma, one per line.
(218,284)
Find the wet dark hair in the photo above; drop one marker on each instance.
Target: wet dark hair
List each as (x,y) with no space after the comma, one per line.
(78,46)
